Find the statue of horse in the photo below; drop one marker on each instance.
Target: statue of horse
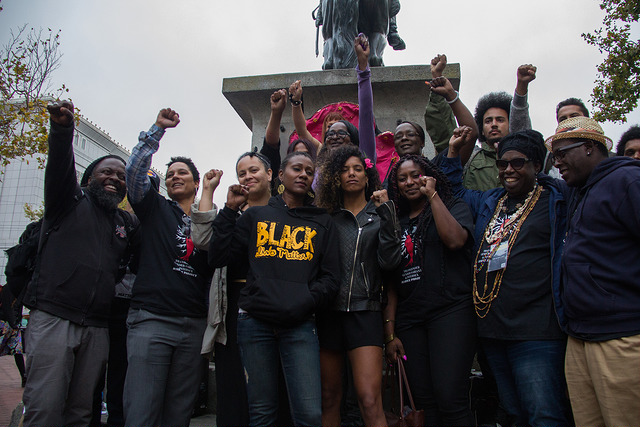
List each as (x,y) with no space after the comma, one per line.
(343,20)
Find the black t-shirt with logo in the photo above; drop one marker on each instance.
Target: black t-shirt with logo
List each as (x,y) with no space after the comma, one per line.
(173,276)
(437,279)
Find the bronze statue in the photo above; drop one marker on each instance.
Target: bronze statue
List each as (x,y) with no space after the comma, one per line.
(343,20)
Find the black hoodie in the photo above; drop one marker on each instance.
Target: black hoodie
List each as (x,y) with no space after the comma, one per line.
(292,258)
(601,258)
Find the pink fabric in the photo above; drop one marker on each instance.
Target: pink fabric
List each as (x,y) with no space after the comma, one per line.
(386,152)
(314,124)
(385,145)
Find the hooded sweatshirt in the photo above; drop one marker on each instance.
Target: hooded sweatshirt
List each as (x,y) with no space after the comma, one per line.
(601,259)
(291,256)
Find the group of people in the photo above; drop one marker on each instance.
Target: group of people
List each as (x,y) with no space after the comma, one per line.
(319,262)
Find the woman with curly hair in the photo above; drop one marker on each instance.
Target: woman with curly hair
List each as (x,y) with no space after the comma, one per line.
(369,237)
(430,321)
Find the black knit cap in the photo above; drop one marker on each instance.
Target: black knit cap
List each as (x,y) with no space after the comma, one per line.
(528,142)
(87,173)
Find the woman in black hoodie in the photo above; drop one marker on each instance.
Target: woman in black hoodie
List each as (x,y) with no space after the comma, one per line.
(291,253)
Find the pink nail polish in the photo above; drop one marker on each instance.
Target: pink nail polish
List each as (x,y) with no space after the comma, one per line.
(405,357)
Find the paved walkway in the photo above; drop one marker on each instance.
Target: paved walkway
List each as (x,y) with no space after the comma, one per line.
(10,389)
(11,395)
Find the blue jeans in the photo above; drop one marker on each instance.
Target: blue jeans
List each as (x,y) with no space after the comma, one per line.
(262,348)
(530,379)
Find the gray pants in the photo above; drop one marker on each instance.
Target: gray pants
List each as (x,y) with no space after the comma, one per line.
(164,368)
(64,362)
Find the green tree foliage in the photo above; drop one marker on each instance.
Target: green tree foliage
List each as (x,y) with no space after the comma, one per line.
(28,60)
(33,213)
(617,88)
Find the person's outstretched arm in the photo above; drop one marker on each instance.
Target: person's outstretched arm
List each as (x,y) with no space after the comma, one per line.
(366,127)
(519,118)
(300,123)
(60,181)
(278,101)
(442,86)
(138,183)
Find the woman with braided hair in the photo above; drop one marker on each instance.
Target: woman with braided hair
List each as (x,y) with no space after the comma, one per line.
(429,320)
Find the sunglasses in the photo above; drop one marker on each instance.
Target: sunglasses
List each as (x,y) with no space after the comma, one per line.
(332,133)
(516,164)
(561,152)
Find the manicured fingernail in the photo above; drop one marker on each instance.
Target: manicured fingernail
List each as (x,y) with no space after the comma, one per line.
(404,357)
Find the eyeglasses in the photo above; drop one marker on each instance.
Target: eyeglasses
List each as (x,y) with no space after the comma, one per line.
(516,164)
(561,152)
(333,133)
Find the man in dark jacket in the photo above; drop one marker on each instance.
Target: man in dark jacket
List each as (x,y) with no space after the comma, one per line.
(84,237)
(600,290)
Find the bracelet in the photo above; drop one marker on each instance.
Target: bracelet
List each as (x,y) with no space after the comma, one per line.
(389,320)
(454,99)
(389,338)
(433,195)
(293,102)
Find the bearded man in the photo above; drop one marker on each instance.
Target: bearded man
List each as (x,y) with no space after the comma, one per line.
(84,238)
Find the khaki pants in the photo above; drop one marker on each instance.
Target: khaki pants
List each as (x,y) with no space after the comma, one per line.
(604,381)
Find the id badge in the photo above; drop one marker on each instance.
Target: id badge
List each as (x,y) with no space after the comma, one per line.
(499,259)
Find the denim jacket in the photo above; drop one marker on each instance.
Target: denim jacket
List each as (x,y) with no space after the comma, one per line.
(483,205)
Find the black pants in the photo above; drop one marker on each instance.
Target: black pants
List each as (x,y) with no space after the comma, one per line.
(439,357)
(116,368)
(232,405)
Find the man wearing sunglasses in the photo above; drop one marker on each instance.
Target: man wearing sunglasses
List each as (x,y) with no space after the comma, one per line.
(600,275)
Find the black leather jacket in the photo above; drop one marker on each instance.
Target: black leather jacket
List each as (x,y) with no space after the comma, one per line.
(369,244)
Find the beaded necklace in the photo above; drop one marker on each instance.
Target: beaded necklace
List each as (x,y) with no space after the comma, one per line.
(511,225)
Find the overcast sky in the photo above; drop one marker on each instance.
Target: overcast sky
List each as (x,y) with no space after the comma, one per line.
(125,59)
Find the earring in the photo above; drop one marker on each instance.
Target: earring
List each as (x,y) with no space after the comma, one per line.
(280,188)
(588,153)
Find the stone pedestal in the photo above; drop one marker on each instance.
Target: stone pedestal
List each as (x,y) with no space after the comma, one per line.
(399,93)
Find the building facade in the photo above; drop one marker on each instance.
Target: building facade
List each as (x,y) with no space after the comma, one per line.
(22,182)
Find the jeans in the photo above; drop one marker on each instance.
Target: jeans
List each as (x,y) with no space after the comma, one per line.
(262,348)
(530,379)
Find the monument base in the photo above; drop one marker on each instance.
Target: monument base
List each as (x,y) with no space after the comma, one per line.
(399,93)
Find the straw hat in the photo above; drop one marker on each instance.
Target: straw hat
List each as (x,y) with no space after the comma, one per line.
(579,128)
